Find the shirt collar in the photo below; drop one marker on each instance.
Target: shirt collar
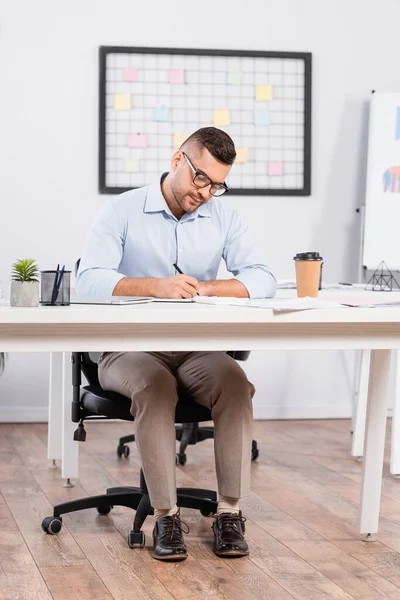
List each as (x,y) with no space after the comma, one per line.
(155,202)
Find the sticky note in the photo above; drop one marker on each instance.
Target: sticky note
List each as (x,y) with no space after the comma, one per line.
(234,77)
(275,167)
(130,74)
(161,113)
(131,165)
(179,138)
(122,101)
(137,140)
(242,155)
(263,92)
(221,118)
(261,117)
(177,76)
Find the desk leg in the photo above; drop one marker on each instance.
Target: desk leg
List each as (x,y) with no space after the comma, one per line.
(70,448)
(374,446)
(357,444)
(395,448)
(55,407)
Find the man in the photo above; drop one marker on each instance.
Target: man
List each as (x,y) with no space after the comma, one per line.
(131,250)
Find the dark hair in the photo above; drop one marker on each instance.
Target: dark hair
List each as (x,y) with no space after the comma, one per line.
(217,142)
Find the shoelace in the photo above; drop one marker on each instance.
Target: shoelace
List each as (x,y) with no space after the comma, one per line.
(174,525)
(230,521)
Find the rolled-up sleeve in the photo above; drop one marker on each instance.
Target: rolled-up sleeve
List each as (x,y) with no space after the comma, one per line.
(98,270)
(244,261)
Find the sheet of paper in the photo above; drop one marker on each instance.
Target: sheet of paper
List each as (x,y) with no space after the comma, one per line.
(137,140)
(242,155)
(122,102)
(275,304)
(130,74)
(275,167)
(177,76)
(161,113)
(261,117)
(131,165)
(179,138)
(263,92)
(221,118)
(172,299)
(234,77)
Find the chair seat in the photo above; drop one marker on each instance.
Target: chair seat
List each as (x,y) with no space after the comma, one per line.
(96,401)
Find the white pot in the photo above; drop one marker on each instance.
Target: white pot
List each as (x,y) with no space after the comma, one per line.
(24,293)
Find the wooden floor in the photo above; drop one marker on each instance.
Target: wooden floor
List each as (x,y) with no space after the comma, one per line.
(301,525)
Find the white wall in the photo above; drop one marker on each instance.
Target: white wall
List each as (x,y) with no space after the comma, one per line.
(48,150)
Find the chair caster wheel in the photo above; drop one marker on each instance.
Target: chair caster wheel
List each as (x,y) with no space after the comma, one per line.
(104,510)
(254,451)
(123,451)
(136,539)
(181,459)
(52,525)
(206,513)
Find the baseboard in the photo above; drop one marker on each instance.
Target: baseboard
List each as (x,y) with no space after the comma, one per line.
(39,414)
(24,414)
(280,412)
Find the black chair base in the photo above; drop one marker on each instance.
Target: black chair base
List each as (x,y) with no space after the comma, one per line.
(187,434)
(136,498)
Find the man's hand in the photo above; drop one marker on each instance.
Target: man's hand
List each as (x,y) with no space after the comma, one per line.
(178,286)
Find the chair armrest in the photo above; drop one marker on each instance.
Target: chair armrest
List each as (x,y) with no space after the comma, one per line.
(239,354)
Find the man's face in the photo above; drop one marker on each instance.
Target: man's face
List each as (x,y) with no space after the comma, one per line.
(186,193)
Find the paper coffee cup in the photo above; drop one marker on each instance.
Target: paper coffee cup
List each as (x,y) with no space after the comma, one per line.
(308,273)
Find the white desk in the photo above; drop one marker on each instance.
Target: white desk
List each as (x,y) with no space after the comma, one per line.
(201,327)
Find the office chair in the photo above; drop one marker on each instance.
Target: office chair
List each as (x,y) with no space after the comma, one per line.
(91,402)
(186,433)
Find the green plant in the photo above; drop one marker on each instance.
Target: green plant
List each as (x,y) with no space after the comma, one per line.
(2,361)
(25,269)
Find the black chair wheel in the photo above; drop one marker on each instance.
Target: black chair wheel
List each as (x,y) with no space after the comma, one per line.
(123,451)
(136,539)
(254,451)
(104,510)
(206,513)
(52,525)
(181,459)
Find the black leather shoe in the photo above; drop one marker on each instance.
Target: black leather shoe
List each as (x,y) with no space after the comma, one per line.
(228,531)
(168,538)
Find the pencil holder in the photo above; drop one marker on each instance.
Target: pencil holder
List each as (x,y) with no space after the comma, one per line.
(55,288)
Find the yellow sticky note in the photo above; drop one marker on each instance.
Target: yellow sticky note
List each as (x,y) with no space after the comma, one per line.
(179,138)
(263,92)
(221,118)
(242,155)
(122,101)
(131,165)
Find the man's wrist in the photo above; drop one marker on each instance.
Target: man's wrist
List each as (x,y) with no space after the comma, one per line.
(204,288)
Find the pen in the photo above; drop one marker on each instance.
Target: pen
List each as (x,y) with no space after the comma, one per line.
(60,278)
(341,283)
(181,273)
(54,290)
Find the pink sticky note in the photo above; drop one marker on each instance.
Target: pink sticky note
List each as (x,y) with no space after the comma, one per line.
(177,76)
(130,74)
(275,167)
(137,140)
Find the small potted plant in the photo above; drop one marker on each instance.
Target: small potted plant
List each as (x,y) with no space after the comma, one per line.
(25,283)
(2,361)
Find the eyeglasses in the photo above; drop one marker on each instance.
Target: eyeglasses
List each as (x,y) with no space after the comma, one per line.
(201,180)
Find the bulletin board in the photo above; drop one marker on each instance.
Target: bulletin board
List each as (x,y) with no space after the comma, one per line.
(152,99)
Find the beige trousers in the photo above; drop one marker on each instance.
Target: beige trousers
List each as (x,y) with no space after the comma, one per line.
(153,380)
